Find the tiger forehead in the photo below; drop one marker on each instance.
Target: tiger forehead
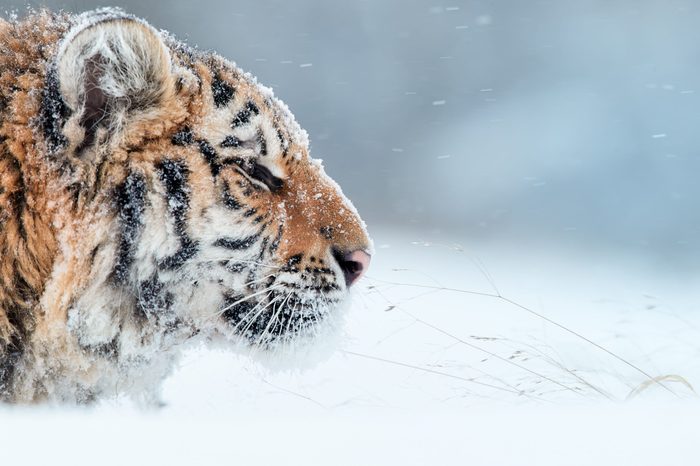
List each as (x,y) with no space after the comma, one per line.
(236,95)
(125,222)
(236,118)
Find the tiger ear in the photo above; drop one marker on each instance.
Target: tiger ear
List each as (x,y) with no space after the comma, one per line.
(108,70)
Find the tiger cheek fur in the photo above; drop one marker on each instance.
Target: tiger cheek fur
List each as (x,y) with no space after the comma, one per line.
(151,195)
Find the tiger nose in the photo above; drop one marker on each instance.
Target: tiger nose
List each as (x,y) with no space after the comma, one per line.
(353,264)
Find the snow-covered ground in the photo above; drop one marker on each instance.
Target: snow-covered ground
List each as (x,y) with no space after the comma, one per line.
(486,354)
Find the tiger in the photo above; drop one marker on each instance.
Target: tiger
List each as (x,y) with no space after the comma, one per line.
(152,196)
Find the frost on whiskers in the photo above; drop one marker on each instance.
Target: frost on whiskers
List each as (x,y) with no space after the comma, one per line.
(183,203)
(309,337)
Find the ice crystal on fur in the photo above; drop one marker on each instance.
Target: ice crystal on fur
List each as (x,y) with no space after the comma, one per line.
(152,196)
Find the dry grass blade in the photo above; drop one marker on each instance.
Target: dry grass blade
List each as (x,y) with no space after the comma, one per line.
(432,371)
(499,296)
(651,379)
(494,355)
(661,378)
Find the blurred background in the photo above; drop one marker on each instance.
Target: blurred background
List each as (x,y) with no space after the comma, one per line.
(556,141)
(558,123)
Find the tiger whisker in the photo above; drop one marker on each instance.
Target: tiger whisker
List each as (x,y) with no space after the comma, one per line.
(263,291)
(237,261)
(255,309)
(274,318)
(289,322)
(252,321)
(251,282)
(248,314)
(245,298)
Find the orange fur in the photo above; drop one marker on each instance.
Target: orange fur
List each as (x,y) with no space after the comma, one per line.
(57,216)
(27,237)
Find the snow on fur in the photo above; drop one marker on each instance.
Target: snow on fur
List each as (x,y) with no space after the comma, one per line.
(185,209)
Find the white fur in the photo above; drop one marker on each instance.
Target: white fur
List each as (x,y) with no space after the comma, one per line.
(133,62)
(110,347)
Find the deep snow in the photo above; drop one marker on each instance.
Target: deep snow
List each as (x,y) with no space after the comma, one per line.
(431,376)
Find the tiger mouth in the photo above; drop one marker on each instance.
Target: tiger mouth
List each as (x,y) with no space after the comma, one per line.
(280,316)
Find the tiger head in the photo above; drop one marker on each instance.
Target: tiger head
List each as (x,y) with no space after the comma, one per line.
(184,202)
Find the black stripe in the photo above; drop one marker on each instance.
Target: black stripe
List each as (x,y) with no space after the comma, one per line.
(54,113)
(231,141)
(230,200)
(174,175)
(93,254)
(18,201)
(283,142)
(234,267)
(183,137)
(238,308)
(276,242)
(210,156)
(75,190)
(188,249)
(130,199)
(22,288)
(262,142)
(109,350)
(236,244)
(221,91)
(153,299)
(294,260)
(244,115)
(262,248)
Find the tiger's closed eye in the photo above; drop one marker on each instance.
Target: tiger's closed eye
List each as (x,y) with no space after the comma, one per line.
(255,172)
(265,176)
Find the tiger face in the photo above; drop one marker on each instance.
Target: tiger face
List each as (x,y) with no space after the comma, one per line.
(183,204)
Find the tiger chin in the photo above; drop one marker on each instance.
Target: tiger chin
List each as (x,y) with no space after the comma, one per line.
(151,195)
